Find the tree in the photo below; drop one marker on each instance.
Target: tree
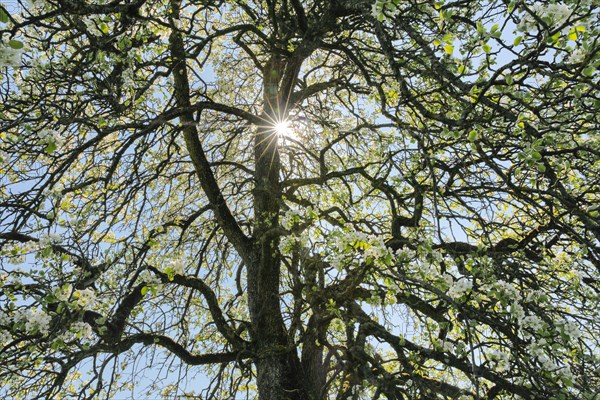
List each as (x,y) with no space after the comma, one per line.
(321,199)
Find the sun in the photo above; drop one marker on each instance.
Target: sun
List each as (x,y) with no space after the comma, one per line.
(283,129)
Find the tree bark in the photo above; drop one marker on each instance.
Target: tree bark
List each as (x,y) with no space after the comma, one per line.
(279,373)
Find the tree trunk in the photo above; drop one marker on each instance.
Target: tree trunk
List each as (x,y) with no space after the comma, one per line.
(279,374)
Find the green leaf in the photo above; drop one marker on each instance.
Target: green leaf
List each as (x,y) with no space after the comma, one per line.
(3,16)
(588,71)
(15,44)
(51,147)
(517,40)
(56,345)
(124,43)
(144,290)
(449,49)
(103,27)
(573,34)
(472,136)
(541,167)
(447,14)
(487,48)
(479,27)
(554,38)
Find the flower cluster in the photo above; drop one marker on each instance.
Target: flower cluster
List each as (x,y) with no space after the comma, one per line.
(360,246)
(382,10)
(536,349)
(4,318)
(82,330)
(292,217)
(569,329)
(531,321)
(287,243)
(49,240)
(50,139)
(63,293)
(85,299)
(500,360)
(151,280)
(507,290)
(444,346)
(459,287)
(175,267)
(577,56)
(5,337)
(95,26)
(10,57)
(554,15)
(36,321)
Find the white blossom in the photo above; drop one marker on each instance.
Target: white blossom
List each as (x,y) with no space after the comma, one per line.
(405,254)
(500,360)
(445,346)
(459,288)
(176,267)
(46,136)
(536,349)
(382,10)
(337,262)
(64,292)
(553,14)
(150,279)
(10,57)
(5,337)
(576,56)
(36,321)
(93,26)
(3,158)
(565,373)
(86,298)
(288,219)
(531,321)
(4,318)
(516,311)
(287,243)
(507,290)
(569,329)
(83,330)
(49,240)
(535,295)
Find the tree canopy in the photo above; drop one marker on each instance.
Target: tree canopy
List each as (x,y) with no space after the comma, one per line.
(286,199)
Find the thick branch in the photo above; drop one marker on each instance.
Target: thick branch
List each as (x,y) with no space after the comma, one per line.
(207,179)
